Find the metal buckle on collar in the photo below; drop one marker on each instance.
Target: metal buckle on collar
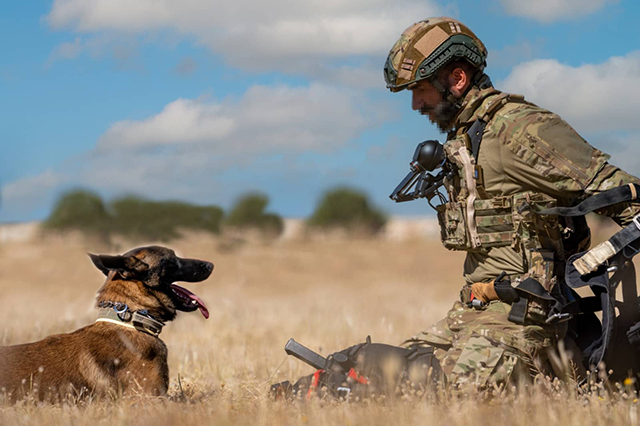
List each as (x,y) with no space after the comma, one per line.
(145,323)
(636,221)
(120,308)
(122,311)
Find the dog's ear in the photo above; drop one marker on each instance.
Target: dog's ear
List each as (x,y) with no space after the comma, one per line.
(127,266)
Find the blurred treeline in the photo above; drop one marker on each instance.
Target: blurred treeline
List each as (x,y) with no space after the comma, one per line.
(136,217)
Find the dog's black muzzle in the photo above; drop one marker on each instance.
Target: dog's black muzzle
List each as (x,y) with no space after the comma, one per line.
(193,270)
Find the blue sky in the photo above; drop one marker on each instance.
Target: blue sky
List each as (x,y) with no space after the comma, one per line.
(204,100)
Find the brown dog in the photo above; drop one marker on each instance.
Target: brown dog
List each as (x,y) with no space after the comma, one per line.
(120,352)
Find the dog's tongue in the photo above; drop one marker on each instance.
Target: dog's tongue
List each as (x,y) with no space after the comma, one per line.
(186,293)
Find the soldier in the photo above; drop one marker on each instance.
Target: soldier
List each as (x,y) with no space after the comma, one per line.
(507,160)
(510,158)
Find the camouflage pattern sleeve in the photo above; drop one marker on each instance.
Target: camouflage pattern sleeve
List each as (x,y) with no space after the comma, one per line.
(544,153)
(547,154)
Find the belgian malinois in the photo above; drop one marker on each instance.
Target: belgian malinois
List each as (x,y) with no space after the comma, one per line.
(120,352)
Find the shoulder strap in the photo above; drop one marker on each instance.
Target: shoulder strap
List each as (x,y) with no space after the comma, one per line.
(475,133)
(476,130)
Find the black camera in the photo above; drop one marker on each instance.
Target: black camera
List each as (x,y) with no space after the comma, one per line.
(429,155)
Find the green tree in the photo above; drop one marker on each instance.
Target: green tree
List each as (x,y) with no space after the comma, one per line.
(161,220)
(249,213)
(349,209)
(79,209)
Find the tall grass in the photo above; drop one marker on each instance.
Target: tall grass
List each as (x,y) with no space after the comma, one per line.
(327,294)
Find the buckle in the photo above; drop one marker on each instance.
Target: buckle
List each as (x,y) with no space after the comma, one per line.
(344,392)
(500,202)
(636,221)
(558,318)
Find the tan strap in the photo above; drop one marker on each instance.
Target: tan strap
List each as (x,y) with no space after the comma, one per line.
(594,258)
(116,322)
(469,168)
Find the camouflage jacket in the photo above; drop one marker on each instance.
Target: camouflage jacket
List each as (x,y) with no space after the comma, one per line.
(527,148)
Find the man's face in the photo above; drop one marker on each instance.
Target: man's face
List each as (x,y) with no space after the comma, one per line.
(425,99)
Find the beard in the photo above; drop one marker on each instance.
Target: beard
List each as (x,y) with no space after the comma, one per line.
(443,114)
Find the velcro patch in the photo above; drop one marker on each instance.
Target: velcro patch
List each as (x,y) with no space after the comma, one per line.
(431,40)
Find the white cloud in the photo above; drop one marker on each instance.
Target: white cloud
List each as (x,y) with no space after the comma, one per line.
(188,147)
(68,50)
(592,97)
(29,192)
(547,11)
(256,35)
(181,121)
(32,186)
(123,50)
(265,119)
(624,150)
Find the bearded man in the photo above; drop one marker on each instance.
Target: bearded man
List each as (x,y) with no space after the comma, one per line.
(509,160)
(518,182)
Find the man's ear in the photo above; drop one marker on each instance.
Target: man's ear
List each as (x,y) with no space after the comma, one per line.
(127,266)
(458,79)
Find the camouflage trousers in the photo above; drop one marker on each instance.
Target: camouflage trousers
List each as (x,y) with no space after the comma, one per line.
(482,348)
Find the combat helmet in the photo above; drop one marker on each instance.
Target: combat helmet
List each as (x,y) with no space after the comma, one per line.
(427,46)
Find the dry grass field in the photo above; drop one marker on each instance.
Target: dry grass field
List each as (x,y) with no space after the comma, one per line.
(326,294)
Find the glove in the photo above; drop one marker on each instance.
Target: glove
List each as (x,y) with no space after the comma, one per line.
(484,291)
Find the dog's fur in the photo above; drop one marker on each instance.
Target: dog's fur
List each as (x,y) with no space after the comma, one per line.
(105,358)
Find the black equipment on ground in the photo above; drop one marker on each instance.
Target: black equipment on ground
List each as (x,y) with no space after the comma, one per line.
(305,355)
(429,155)
(364,369)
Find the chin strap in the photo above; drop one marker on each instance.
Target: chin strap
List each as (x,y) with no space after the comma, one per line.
(120,314)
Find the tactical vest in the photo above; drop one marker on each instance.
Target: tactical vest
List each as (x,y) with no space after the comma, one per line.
(472,220)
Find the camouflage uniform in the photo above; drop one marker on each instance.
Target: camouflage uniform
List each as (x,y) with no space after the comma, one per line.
(524,150)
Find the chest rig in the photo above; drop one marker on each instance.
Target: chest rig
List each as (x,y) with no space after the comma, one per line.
(472,220)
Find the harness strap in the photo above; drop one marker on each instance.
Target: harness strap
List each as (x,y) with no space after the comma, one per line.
(592,259)
(598,255)
(530,288)
(518,311)
(595,202)
(475,133)
(603,288)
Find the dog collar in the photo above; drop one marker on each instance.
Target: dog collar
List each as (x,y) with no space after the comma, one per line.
(120,314)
